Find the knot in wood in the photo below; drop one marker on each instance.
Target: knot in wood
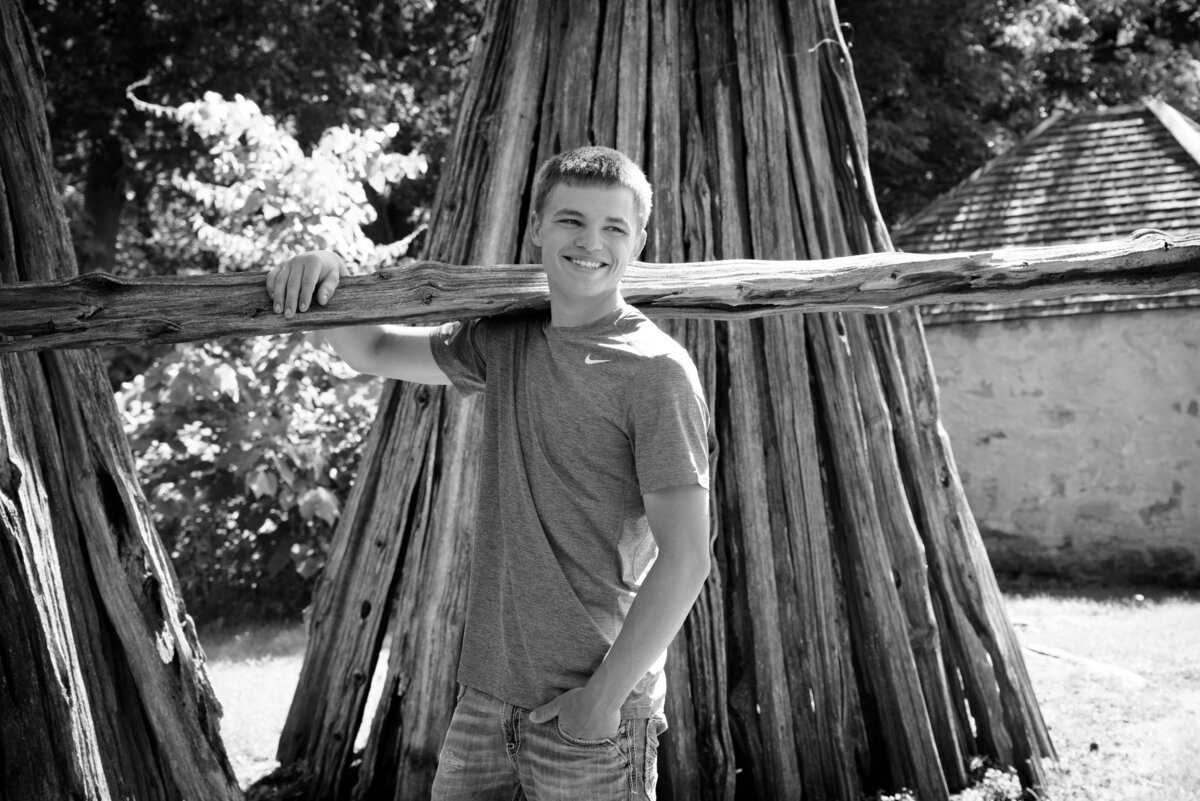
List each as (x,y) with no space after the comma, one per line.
(99,282)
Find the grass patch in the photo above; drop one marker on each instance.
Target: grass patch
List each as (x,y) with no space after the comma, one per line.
(1117,675)
(254,671)
(1116,672)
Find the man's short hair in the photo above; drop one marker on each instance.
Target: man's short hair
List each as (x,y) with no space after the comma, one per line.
(593,166)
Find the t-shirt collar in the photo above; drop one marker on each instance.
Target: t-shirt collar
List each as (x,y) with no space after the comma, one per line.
(598,326)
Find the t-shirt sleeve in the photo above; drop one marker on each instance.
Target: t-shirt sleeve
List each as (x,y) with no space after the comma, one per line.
(669,425)
(460,349)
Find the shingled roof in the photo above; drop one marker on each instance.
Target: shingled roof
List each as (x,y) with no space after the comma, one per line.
(1081,177)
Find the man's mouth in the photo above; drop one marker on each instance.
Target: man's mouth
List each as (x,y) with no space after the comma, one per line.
(587,264)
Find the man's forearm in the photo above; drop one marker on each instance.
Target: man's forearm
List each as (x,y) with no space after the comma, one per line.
(655,617)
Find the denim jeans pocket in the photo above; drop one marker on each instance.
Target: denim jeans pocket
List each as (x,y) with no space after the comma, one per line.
(603,742)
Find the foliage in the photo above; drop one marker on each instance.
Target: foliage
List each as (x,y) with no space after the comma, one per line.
(247,450)
(314,64)
(938,107)
(268,200)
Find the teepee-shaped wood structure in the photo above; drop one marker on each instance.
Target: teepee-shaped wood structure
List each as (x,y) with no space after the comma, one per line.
(852,636)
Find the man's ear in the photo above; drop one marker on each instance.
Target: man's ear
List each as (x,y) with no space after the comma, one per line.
(535,229)
(641,243)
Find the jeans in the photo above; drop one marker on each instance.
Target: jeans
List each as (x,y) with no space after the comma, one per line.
(493,751)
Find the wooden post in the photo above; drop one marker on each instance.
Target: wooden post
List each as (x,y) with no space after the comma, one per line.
(103,692)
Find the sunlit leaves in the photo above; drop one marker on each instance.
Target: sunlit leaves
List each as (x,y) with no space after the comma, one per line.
(319,503)
(266,199)
(246,449)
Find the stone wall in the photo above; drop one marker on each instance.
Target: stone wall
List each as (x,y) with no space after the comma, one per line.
(1078,441)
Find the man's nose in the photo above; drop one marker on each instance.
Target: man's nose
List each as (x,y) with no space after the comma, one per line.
(588,238)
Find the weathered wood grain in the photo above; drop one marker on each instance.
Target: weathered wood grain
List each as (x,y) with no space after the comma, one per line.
(888,667)
(104,689)
(99,309)
(909,561)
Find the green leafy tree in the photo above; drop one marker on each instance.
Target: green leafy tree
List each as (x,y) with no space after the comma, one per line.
(263,199)
(314,64)
(247,448)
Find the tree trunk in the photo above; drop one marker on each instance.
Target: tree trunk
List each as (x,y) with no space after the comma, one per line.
(852,637)
(104,693)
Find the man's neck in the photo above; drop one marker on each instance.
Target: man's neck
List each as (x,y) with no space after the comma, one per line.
(567,314)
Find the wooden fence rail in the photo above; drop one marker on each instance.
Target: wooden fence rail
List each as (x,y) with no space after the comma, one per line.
(100,309)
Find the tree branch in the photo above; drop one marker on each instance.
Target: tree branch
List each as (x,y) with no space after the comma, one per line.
(99,309)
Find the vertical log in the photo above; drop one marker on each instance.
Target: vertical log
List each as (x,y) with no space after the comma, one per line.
(632,93)
(414,711)
(351,604)
(829,728)
(103,638)
(48,742)
(992,670)
(761,701)
(887,665)
(907,554)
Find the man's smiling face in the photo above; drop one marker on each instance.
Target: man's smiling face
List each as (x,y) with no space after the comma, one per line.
(588,235)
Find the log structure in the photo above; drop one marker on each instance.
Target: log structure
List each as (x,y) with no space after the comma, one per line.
(103,693)
(98,309)
(851,637)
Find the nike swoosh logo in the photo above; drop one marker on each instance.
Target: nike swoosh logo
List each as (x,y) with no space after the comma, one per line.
(590,360)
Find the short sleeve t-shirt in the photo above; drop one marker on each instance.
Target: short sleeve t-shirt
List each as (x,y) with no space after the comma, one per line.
(579,423)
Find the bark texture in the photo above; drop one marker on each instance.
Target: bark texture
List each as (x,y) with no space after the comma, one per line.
(852,637)
(103,692)
(98,309)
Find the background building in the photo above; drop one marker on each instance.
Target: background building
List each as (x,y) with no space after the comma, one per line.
(1076,423)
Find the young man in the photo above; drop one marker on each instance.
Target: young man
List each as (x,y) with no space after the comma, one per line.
(595,462)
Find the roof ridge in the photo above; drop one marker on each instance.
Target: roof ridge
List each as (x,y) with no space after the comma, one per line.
(1179,126)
